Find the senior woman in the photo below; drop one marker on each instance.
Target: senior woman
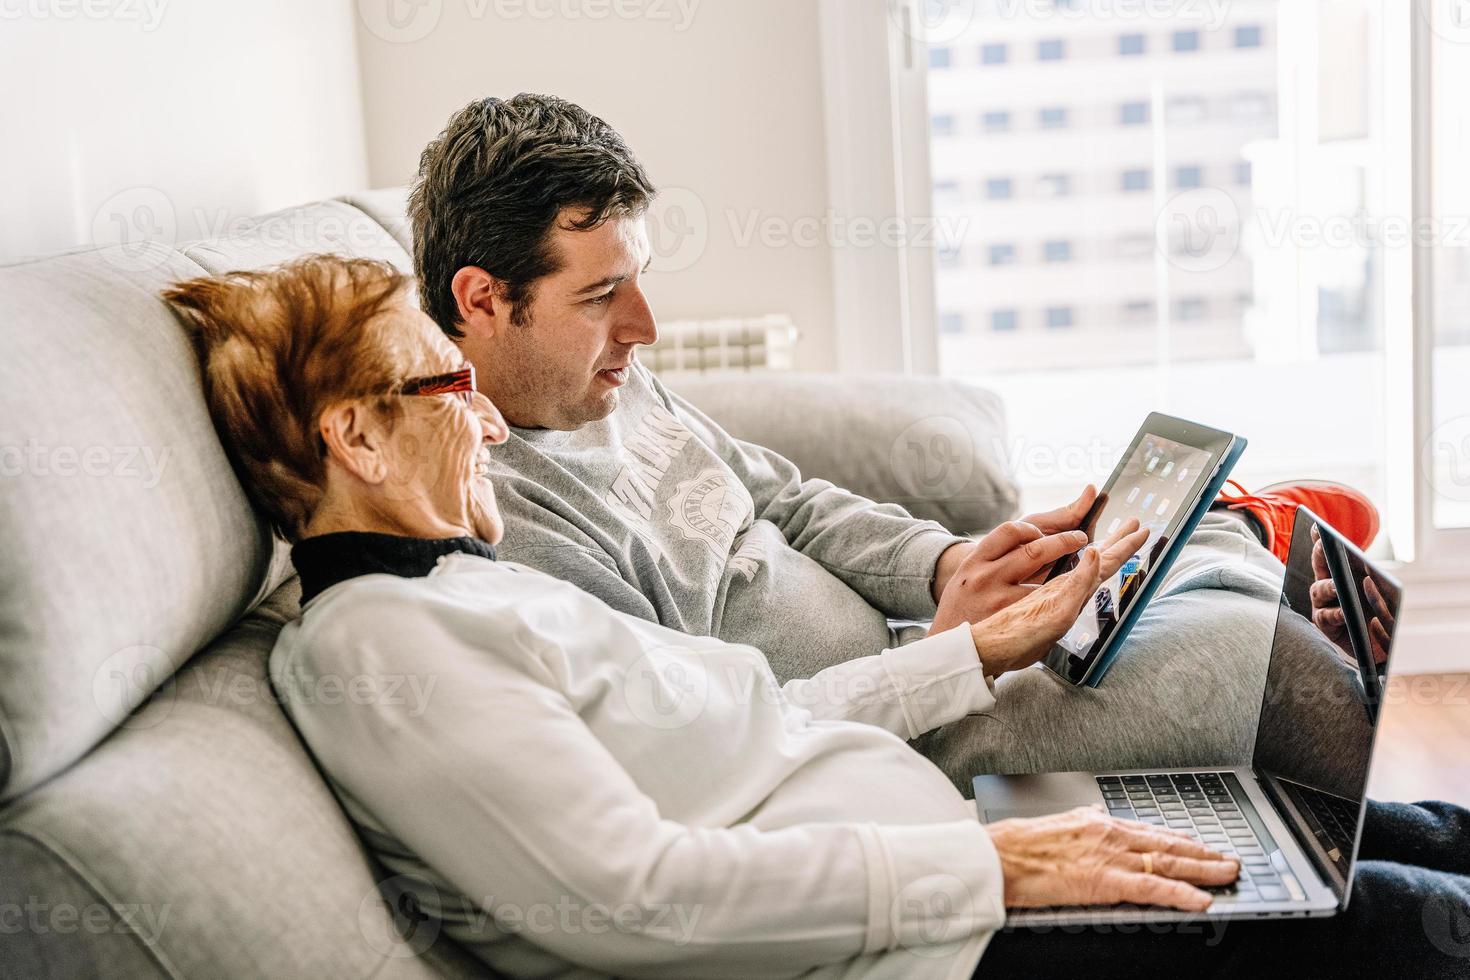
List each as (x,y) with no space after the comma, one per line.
(568,790)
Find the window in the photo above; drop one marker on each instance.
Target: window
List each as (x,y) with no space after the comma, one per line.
(1250,105)
(1132,44)
(1186,109)
(947,191)
(1135,246)
(1137,311)
(1057,251)
(1248,36)
(1051,49)
(942,125)
(1003,320)
(1242,171)
(1133,113)
(1135,180)
(1002,254)
(1059,316)
(993,54)
(1054,185)
(952,323)
(1186,40)
(949,256)
(1187,178)
(999,188)
(995,121)
(1190,308)
(939,57)
(1053,117)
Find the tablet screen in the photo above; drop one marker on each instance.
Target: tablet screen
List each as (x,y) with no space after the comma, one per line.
(1157,483)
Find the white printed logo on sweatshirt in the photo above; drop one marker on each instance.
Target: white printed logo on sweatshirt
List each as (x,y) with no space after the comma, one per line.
(656,442)
(711,508)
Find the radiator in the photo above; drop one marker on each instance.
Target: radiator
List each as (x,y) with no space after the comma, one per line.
(731,344)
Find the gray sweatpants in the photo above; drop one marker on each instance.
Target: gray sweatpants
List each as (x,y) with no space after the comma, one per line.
(1184,691)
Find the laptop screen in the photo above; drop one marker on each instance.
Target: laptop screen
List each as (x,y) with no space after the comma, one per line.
(1324,687)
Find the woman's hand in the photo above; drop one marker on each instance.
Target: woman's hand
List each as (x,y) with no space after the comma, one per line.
(1023,631)
(1085,857)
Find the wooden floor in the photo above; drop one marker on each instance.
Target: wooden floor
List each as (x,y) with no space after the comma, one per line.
(1423,750)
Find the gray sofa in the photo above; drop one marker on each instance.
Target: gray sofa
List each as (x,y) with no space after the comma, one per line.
(158,814)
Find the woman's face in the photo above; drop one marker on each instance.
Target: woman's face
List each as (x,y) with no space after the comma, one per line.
(438,448)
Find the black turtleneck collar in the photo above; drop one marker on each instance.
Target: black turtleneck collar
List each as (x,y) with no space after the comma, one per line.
(327,559)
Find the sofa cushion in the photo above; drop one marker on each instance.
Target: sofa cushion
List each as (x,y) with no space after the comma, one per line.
(131,543)
(933,445)
(202,836)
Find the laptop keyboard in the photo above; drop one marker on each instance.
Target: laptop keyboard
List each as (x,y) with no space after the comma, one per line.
(1201,805)
(1332,819)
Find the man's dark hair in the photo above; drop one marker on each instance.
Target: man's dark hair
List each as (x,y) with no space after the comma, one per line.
(490,188)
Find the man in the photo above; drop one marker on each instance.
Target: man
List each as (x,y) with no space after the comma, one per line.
(529,245)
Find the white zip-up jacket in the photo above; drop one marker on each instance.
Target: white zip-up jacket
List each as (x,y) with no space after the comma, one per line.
(570,791)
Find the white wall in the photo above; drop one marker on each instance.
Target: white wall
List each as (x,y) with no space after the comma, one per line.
(721,99)
(169,118)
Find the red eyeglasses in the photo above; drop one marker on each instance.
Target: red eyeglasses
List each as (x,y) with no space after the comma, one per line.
(461,383)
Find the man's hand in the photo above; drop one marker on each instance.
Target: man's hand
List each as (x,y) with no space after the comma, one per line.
(1066,518)
(1009,563)
(1084,857)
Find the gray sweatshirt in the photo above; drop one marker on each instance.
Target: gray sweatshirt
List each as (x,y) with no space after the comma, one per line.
(661,514)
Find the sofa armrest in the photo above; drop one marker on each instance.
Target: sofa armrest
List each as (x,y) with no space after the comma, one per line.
(935,446)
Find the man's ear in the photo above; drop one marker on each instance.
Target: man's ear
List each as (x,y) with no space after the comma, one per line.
(356,439)
(480,300)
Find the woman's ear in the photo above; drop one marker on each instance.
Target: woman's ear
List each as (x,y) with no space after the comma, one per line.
(480,302)
(357,440)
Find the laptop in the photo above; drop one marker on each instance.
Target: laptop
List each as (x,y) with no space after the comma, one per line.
(1294,816)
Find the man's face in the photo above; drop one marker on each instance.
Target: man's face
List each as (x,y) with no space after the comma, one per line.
(562,368)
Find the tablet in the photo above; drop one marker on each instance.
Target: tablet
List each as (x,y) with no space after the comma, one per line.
(1167,478)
